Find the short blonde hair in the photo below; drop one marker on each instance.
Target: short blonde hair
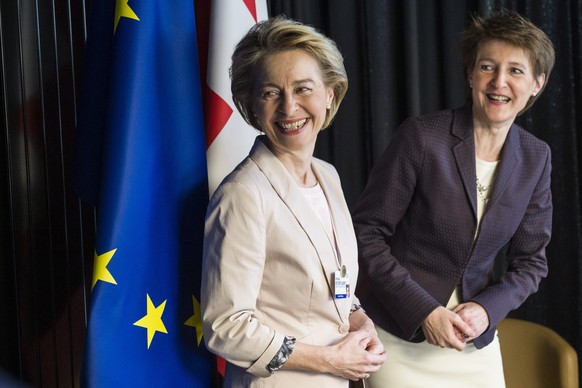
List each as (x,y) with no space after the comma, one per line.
(281,34)
(510,27)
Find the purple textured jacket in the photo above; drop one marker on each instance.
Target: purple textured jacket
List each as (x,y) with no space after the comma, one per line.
(417,218)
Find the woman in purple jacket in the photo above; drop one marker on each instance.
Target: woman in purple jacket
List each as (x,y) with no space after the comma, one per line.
(452,191)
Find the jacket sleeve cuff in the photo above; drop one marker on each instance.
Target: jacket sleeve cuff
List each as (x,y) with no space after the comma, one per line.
(282,355)
(259,367)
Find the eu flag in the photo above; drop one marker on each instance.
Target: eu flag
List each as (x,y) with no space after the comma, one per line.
(142,147)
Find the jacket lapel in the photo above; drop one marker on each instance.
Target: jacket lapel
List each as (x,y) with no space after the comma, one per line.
(464,154)
(508,161)
(336,210)
(291,195)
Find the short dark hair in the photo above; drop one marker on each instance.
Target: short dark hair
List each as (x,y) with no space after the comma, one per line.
(510,27)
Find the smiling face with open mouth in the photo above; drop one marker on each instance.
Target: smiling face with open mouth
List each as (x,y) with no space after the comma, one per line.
(502,82)
(290,101)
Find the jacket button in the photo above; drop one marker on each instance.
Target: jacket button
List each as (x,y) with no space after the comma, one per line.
(344,328)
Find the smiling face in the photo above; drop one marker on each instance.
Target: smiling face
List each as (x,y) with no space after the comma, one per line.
(502,82)
(290,101)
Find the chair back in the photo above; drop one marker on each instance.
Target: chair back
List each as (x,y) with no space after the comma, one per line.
(535,356)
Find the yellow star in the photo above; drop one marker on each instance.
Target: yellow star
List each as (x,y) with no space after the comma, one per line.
(100,271)
(122,10)
(195,320)
(152,321)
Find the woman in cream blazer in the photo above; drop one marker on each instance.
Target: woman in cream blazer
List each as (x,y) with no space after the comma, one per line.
(268,269)
(280,257)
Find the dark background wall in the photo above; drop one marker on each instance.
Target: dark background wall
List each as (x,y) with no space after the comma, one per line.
(45,232)
(402,59)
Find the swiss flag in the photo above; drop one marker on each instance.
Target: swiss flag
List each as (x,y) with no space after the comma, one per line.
(221,24)
(228,137)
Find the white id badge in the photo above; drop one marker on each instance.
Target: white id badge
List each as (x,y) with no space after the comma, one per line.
(342,283)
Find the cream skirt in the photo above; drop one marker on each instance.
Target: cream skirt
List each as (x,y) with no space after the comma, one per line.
(412,365)
(421,365)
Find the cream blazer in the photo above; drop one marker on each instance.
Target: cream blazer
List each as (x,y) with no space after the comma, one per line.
(268,270)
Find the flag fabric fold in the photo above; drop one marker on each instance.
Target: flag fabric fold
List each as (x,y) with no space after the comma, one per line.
(141,120)
(228,137)
(222,24)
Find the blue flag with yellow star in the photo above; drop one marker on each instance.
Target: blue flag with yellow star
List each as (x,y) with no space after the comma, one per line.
(141,140)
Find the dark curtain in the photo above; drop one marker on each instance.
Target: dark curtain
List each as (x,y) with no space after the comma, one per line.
(46,234)
(402,59)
